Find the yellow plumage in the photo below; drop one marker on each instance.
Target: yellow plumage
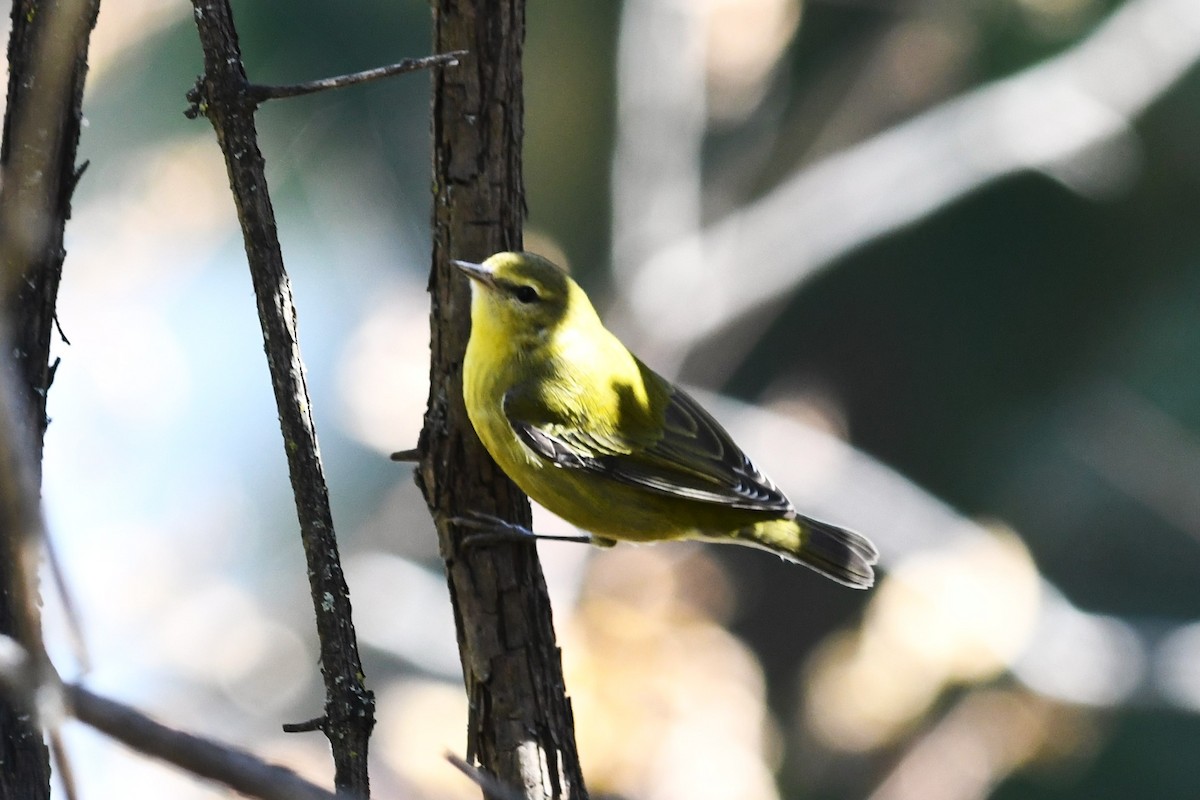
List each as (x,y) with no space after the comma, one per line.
(591,433)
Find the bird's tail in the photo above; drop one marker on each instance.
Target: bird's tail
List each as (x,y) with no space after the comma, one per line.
(836,553)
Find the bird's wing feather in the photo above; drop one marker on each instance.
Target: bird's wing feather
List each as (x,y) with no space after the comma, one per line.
(693,457)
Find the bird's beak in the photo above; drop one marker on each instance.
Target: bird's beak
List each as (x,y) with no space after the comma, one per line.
(476,272)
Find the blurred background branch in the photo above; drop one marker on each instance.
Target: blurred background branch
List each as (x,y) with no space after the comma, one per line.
(1068,116)
(42,693)
(48,51)
(47,62)
(237,769)
(26,759)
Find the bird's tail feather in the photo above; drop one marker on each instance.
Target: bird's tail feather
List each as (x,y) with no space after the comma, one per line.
(836,553)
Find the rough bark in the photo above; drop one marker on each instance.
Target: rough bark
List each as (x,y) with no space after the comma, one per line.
(47,55)
(222,95)
(520,727)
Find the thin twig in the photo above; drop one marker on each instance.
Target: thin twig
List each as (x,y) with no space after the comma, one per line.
(258,93)
(74,626)
(63,765)
(492,786)
(349,711)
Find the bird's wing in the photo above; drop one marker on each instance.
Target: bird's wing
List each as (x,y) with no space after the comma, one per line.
(693,457)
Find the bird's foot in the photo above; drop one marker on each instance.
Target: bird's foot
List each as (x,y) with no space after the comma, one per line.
(491,529)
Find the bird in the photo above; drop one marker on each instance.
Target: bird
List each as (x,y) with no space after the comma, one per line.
(591,433)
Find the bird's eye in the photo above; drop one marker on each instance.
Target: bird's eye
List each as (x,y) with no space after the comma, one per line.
(526,294)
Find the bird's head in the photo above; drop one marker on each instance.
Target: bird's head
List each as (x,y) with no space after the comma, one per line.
(524,297)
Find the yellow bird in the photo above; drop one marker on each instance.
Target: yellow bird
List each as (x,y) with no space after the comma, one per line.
(600,439)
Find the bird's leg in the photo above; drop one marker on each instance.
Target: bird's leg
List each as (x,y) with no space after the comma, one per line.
(493,529)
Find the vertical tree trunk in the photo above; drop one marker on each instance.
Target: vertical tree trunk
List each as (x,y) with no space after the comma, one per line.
(520,727)
(47,56)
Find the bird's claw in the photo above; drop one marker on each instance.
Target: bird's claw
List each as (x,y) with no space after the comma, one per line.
(491,529)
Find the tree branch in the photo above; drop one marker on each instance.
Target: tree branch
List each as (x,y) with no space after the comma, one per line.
(349,705)
(22,682)
(520,727)
(47,60)
(47,67)
(258,94)
(238,769)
